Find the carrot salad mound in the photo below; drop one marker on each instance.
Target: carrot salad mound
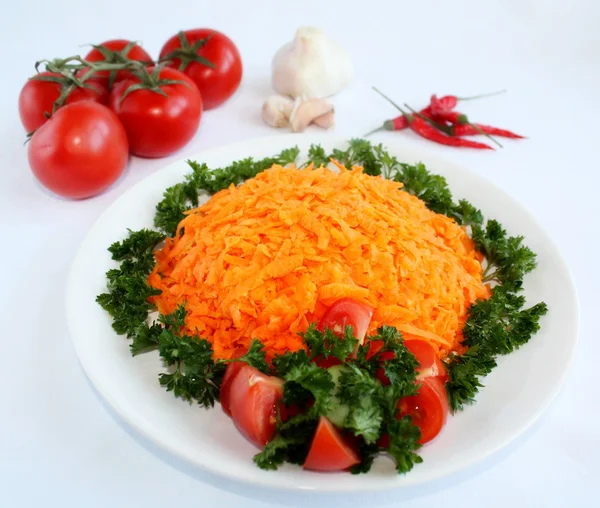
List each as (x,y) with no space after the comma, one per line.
(266,258)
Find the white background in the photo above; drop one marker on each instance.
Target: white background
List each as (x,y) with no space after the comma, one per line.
(60,445)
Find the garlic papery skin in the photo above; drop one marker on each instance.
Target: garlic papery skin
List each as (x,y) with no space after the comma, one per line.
(276,111)
(311,66)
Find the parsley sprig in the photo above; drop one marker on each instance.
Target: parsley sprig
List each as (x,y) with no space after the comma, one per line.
(349,394)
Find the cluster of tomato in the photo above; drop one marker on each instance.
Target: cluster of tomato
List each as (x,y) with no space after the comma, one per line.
(253,399)
(86,115)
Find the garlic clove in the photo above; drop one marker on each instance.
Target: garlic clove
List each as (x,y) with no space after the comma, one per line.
(311,66)
(326,121)
(307,111)
(276,111)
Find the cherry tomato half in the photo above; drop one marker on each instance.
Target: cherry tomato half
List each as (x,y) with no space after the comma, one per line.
(37,98)
(80,151)
(347,312)
(254,398)
(428,409)
(216,84)
(329,451)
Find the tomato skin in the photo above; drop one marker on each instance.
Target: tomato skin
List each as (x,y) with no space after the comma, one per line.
(80,151)
(158,125)
(231,372)
(430,364)
(37,97)
(329,451)
(254,399)
(344,312)
(135,53)
(218,84)
(428,409)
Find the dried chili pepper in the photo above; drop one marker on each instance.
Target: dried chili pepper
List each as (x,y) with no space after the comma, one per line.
(395,124)
(419,124)
(427,131)
(476,128)
(458,119)
(448,102)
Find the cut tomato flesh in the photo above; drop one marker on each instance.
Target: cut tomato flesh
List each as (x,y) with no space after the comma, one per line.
(430,364)
(428,409)
(254,398)
(347,312)
(230,373)
(329,451)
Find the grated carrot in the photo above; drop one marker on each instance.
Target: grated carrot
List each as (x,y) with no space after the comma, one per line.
(266,258)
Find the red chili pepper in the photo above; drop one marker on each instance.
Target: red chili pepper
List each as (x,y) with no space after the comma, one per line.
(427,131)
(443,104)
(457,119)
(395,124)
(420,126)
(477,128)
(448,102)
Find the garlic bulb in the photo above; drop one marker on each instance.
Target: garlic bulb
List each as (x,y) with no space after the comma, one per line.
(277,110)
(311,66)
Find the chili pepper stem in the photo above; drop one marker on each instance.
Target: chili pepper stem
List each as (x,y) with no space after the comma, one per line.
(438,126)
(408,117)
(379,129)
(483,95)
(480,130)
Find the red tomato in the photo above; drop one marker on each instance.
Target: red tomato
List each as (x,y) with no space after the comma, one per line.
(325,363)
(158,125)
(37,98)
(329,451)
(117,45)
(230,373)
(430,364)
(254,398)
(80,151)
(216,84)
(346,312)
(428,409)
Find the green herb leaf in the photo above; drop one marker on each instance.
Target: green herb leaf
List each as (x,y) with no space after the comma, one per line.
(403,443)
(328,343)
(255,357)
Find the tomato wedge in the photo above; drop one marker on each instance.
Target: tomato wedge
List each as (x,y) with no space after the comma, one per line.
(428,409)
(230,373)
(329,451)
(430,364)
(346,312)
(253,401)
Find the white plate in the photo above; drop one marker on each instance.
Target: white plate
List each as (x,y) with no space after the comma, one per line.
(515,395)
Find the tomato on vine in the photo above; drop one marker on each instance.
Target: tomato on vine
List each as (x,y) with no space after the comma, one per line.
(160,109)
(210,59)
(46,91)
(117,51)
(80,151)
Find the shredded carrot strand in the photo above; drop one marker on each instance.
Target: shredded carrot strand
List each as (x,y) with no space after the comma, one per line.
(266,258)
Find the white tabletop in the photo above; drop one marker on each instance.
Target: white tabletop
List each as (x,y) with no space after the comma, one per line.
(60,445)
